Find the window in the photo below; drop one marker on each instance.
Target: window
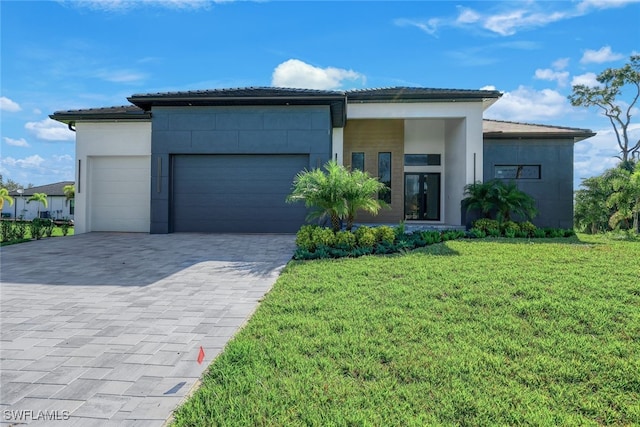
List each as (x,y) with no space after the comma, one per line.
(384,175)
(422,160)
(516,171)
(72,206)
(357,161)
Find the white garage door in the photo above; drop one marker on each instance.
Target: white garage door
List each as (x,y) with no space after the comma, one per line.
(120,193)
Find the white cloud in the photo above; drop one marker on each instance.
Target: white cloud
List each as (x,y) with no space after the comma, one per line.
(467,16)
(62,158)
(16,142)
(298,74)
(31,162)
(50,130)
(587,79)
(548,74)
(604,4)
(8,105)
(604,54)
(560,64)
(488,87)
(509,23)
(429,26)
(526,104)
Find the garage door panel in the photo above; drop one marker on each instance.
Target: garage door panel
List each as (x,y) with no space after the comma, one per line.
(120,193)
(236,193)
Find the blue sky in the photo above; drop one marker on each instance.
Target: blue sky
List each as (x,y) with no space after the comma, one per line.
(61,55)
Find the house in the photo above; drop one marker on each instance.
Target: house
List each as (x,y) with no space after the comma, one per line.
(58,206)
(223,160)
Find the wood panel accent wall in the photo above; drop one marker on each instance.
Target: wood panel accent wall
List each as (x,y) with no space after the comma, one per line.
(372,137)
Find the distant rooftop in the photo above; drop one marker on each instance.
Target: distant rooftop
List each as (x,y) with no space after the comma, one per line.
(54,189)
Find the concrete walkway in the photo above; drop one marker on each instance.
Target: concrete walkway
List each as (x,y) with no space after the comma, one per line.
(105,328)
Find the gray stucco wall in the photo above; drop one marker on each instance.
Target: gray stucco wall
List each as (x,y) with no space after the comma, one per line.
(231,130)
(553,192)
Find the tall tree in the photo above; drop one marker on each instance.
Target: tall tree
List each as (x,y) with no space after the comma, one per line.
(607,97)
(625,199)
(69,191)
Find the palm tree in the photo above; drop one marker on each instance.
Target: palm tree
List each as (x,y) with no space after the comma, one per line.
(322,192)
(496,196)
(337,194)
(69,191)
(40,198)
(5,197)
(625,198)
(359,195)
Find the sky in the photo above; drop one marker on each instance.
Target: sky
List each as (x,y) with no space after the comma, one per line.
(61,55)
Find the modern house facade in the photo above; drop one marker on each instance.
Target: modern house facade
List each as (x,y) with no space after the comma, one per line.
(224,160)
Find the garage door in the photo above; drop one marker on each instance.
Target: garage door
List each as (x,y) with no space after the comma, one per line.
(236,193)
(119,199)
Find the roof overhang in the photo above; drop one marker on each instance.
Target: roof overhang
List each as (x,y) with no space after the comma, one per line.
(114,114)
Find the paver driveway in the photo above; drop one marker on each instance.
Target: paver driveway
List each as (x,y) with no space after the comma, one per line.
(105,328)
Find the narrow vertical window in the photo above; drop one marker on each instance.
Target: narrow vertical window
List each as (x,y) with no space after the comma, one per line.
(384,175)
(357,161)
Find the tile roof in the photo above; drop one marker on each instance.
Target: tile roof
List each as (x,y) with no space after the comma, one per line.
(403,93)
(505,129)
(122,112)
(54,189)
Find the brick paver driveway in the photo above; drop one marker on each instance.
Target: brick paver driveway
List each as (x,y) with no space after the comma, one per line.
(105,328)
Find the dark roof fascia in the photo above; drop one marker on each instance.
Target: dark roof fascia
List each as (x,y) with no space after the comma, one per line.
(578,135)
(93,115)
(335,102)
(421,96)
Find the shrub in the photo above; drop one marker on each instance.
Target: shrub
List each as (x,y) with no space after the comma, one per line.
(452,235)
(323,236)
(431,237)
(487,225)
(528,228)
(345,240)
(7,231)
(64,227)
(477,233)
(304,237)
(385,234)
(47,227)
(400,229)
(510,233)
(366,237)
(492,232)
(510,227)
(569,232)
(20,229)
(521,234)
(539,233)
(37,230)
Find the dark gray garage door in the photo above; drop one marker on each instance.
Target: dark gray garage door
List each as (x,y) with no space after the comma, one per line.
(236,193)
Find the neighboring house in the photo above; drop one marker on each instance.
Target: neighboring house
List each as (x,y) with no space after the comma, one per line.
(224,160)
(58,207)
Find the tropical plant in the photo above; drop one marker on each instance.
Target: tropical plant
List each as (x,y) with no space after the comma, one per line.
(625,199)
(337,193)
(359,195)
(40,198)
(591,213)
(5,197)
(69,191)
(495,197)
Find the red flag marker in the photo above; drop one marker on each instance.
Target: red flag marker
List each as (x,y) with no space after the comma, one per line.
(200,355)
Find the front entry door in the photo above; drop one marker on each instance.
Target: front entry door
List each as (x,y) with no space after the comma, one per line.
(422,196)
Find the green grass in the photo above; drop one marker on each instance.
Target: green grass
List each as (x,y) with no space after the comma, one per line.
(468,332)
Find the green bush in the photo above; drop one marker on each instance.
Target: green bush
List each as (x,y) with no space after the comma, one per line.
(64,227)
(366,237)
(510,228)
(385,234)
(323,236)
(521,234)
(345,240)
(7,231)
(431,237)
(452,235)
(569,232)
(487,225)
(36,228)
(304,238)
(492,232)
(528,228)
(539,233)
(20,229)
(47,227)
(477,233)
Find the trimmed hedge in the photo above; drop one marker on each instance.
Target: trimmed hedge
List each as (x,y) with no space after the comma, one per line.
(315,242)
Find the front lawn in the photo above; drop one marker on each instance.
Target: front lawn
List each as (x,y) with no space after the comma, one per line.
(467,332)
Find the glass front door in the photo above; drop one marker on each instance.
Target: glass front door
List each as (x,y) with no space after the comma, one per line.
(422,196)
